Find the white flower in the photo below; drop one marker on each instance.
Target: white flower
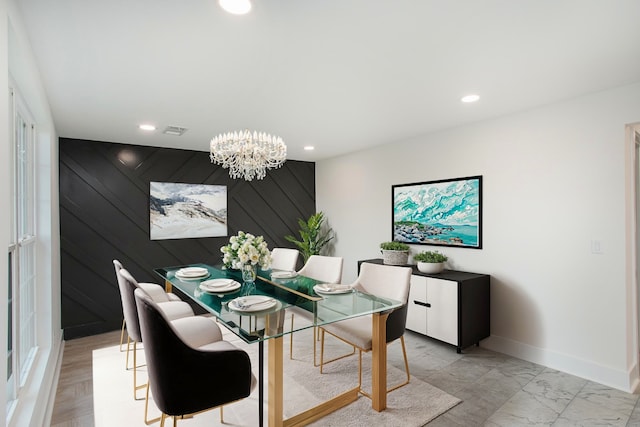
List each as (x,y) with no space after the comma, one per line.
(245,248)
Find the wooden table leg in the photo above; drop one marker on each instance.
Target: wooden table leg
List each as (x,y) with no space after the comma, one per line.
(275,377)
(379,362)
(167,286)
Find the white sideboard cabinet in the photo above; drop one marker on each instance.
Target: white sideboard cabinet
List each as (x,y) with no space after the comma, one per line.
(452,306)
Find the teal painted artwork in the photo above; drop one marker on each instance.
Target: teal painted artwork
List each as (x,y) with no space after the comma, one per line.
(441,213)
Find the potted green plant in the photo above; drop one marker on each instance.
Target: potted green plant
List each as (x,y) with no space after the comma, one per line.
(430,261)
(313,238)
(394,253)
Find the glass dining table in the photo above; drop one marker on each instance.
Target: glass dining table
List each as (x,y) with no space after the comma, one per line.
(255,312)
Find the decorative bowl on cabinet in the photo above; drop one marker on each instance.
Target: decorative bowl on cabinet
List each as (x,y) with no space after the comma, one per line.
(430,267)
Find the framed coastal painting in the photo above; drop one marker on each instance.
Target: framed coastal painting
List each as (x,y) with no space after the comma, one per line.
(186,211)
(446,212)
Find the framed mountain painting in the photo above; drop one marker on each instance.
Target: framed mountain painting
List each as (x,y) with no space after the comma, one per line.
(185,211)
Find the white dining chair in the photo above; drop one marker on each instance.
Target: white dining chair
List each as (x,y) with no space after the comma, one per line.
(155,291)
(284,259)
(384,281)
(326,269)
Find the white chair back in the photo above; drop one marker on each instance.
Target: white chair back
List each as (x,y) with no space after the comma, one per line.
(327,269)
(284,259)
(385,281)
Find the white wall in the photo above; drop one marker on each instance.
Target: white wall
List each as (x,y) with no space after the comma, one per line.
(553,181)
(36,399)
(5,190)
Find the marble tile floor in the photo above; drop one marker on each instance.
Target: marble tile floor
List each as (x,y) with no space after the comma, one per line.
(499,390)
(496,390)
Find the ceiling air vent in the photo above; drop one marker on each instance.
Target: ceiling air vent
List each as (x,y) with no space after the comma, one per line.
(174,130)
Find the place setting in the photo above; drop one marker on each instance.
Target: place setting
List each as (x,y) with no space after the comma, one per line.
(192,273)
(252,303)
(219,286)
(332,289)
(283,274)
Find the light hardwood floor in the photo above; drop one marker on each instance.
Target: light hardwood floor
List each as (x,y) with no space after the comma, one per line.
(496,390)
(73,406)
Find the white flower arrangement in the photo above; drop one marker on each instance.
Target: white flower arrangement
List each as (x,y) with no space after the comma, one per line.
(245,248)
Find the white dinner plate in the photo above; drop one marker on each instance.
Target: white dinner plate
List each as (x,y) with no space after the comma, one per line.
(328,289)
(252,303)
(192,273)
(219,285)
(283,274)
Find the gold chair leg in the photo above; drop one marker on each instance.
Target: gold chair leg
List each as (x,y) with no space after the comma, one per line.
(126,363)
(406,367)
(322,362)
(221,416)
(316,337)
(359,369)
(136,387)
(291,339)
(389,390)
(146,409)
(124,323)
(162,418)
(316,333)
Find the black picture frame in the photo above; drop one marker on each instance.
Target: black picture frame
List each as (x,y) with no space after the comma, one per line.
(186,211)
(446,212)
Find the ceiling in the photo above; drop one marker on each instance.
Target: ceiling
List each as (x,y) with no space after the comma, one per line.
(341,75)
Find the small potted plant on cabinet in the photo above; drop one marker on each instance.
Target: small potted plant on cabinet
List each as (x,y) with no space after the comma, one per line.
(395,253)
(430,261)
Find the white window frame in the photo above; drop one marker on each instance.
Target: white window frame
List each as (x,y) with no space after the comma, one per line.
(22,343)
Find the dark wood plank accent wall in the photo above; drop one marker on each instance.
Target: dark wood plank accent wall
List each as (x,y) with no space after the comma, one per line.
(104,215)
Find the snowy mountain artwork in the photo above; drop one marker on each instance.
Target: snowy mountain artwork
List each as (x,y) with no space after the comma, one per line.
(440,213)
(184,211)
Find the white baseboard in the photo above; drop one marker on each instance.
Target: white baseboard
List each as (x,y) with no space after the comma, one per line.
(627,381)
(54,385)
(35,403)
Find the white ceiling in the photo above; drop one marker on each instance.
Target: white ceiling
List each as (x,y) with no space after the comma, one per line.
(342,75)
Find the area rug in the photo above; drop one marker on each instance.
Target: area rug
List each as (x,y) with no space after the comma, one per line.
(412,405)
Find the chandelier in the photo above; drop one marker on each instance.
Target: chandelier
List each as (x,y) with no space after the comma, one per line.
(248,155)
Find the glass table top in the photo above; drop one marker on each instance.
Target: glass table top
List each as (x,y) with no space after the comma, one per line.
(244,309)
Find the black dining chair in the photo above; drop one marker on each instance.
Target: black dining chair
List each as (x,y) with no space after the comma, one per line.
(173,309)
(185,377)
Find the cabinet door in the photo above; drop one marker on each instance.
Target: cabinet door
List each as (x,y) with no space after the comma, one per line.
(442,315)
(417,309)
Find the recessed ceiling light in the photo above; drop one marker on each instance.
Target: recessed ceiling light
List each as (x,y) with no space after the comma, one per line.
(470,98)
(237,7)
(147,127)
(309,147)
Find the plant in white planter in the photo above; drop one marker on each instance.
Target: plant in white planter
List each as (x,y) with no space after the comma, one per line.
(395,253)
(430,261)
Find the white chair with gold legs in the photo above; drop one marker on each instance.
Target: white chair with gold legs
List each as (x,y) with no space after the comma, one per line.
(284,259)
(327,269)
(384,281)
(191,369)
(158,297)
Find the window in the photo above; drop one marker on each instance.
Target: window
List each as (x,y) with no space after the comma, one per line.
(22,338)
